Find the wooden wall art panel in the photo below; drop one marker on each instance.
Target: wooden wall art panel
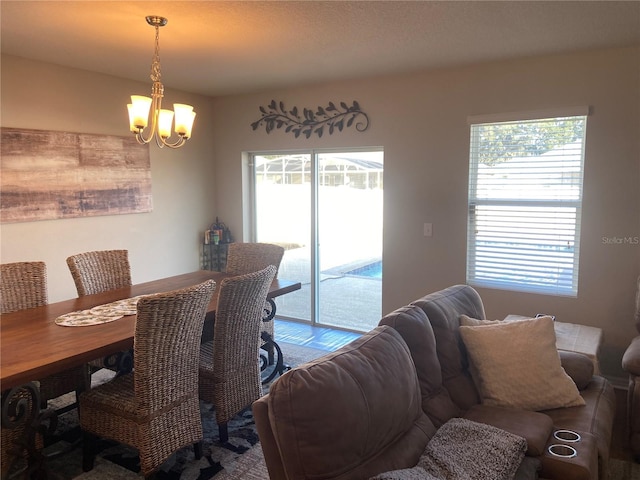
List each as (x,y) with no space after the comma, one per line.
(48,175)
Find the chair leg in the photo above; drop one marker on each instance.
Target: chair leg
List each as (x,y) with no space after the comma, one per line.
(224,432)
(88,451)
(197,450)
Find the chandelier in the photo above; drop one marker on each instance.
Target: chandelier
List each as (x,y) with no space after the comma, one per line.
(161,119)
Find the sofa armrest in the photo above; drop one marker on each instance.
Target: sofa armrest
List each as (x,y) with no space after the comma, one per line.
(631,357)
(268,442)
(578,366)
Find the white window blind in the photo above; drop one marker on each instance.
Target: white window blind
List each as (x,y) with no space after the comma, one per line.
(525,197)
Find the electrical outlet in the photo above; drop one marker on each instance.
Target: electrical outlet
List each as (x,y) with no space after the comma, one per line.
(428,229)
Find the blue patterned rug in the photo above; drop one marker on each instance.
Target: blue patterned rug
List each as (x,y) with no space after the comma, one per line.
(119,462)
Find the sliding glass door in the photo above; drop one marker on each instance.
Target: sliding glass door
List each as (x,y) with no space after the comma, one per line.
(282,215)
(325,208)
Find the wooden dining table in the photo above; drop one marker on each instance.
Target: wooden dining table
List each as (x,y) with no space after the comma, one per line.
(33,346)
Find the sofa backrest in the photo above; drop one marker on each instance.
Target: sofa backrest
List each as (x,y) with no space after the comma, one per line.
(413,325)
(350,414)
(443,309)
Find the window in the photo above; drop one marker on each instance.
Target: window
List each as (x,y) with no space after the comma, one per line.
(525,198)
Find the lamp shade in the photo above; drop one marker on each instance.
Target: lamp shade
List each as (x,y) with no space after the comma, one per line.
(138,112)
(184,119)
(165,119)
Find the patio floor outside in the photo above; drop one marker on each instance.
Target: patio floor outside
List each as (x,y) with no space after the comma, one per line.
(347,301)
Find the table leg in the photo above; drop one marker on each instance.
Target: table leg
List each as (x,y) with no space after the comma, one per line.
(271,347)
(21,413)
(121,362)
(269,315)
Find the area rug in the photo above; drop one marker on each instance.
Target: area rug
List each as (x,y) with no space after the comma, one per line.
(240,457)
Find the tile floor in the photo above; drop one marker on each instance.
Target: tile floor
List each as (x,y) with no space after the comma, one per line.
(322,338)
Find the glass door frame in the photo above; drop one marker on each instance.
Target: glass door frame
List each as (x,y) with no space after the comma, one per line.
(313,154)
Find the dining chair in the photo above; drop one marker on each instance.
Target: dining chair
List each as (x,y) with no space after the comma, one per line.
(243,258)
(229,365)
(100,271)
(23,285)
(97,272)
(155,408)
(17,445)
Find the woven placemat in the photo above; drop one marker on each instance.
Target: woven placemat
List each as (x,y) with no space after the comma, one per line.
(100,314)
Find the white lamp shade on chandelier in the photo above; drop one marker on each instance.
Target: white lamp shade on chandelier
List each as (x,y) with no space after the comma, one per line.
(161,119)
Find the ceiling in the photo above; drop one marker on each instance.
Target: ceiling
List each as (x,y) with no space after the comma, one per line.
(227,47)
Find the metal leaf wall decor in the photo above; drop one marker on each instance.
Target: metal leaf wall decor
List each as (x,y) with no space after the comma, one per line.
(310,121)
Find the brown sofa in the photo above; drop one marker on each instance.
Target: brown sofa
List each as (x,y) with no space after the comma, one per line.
(373,405)
(631,364)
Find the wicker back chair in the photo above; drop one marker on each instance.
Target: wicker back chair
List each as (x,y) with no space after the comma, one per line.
(14,453)
(243,258)
(97,272)
(24,285)
(229,366)
(154,409)
(100,271)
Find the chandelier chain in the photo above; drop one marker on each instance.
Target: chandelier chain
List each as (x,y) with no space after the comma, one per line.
(155,64)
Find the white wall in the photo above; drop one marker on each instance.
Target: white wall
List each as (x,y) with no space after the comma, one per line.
(163,242)
(421,121)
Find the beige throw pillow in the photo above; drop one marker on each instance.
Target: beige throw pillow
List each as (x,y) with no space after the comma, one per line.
(474,322)
(466,321)
(517,365)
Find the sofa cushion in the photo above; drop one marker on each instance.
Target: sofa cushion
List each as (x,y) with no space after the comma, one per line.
(535,427)
(518,365)
(368,397)
(578,366)
(443,309)
(414,327)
